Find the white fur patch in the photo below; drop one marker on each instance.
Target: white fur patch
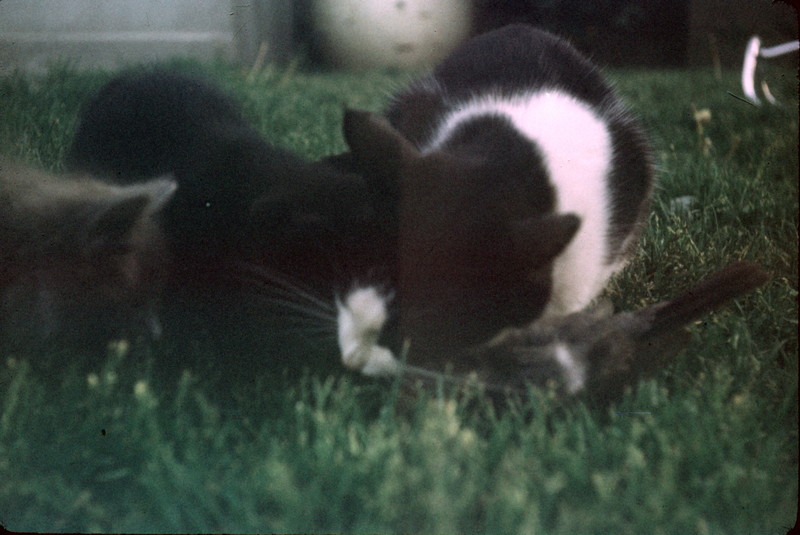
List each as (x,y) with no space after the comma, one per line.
(576,147)
(574,371)
(360,319)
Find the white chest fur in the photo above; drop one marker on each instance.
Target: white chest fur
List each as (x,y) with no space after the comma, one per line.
(575,145)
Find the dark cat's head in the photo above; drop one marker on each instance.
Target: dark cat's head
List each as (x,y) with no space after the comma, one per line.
(322,225)
(241,198)
(476,237)
(82,261)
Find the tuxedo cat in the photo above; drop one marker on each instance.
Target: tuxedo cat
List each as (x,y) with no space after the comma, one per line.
(239,196)
(80,260)
(523,184)
(248,217)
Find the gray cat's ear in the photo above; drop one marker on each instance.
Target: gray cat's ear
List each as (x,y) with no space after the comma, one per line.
(540,239)
(110,229)
(159,191)
(375,144)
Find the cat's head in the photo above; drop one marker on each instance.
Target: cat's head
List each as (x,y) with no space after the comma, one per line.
(82,261)
(476,239)
(326,225)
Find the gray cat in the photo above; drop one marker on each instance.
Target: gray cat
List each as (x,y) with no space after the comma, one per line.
(81,260)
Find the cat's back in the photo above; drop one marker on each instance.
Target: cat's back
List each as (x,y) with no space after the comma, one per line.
(170,95)
(519,58)
(145,123)
(509,64)
(517,84)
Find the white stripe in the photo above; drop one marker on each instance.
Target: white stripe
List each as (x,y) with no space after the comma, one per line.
(576,146)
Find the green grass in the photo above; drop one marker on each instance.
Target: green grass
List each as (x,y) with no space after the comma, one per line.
(709,446)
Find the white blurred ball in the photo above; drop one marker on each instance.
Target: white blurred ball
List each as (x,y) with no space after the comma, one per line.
(363,34)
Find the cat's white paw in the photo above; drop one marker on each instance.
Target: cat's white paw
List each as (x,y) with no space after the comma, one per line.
(379,362)
(360,319)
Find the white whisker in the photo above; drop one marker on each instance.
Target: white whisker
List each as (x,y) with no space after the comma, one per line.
(317,333)
(311,322)
(278,291)
(261,274)
(305,310)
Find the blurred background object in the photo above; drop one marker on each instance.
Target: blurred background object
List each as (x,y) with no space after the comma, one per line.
(88,33)
(379,33)
(720,30)
(611,32)
(753,53)
(363,34)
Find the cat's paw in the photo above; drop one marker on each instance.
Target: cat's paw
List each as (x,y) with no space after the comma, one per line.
(361,317)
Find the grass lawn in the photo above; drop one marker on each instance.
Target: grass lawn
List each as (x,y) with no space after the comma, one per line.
(709,446)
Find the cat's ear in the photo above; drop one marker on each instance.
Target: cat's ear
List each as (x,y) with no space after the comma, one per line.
(110,229)
(376,146)
(159,192)
(540,239)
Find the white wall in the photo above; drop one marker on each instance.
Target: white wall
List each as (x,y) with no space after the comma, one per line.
(111,33)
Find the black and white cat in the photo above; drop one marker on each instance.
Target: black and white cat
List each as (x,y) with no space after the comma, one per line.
(523,184)
(248,217)
(239,196)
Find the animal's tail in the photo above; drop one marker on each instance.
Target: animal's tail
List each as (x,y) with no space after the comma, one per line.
(602,354)
(718,288)
(641,343)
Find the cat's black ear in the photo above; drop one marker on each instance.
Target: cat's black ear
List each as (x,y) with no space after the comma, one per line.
(540,239)
(375,145)
(109,230)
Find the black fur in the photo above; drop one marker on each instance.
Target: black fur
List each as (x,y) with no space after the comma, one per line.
(239,197)
(509,61)
(520,59)
(246,214)
(477,235)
